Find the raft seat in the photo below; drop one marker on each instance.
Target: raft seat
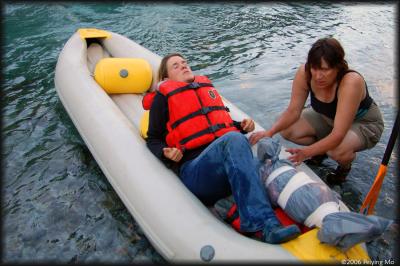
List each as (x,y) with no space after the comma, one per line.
(118,75)
(123,75)
(95,53)
(125,101)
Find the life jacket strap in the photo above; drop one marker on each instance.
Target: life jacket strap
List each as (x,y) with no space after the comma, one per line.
(190,86)
(208,130)
(201,111)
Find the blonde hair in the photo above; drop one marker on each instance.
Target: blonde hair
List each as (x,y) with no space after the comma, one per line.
(162,70)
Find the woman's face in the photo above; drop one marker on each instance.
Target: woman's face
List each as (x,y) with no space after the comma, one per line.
(179,70)
(324,76)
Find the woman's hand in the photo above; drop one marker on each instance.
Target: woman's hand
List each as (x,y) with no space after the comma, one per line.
(247,124)
(173,154)
(256,136)
(297,155)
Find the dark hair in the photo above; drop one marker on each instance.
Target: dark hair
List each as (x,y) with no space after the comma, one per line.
(331,51)
(162,70)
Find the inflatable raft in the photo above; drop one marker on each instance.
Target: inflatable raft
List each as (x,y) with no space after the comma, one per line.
(177,224)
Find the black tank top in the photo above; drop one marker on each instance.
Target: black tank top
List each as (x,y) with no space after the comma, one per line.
(329,109)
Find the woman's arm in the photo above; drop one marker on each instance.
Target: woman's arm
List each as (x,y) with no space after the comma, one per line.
(157,131)
(350,94)
(292,113)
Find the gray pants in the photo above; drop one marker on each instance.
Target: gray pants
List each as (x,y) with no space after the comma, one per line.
(368,128)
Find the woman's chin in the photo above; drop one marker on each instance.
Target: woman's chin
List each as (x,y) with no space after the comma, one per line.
(189,78)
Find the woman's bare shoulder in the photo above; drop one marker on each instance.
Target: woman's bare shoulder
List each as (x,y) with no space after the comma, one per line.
(353,78)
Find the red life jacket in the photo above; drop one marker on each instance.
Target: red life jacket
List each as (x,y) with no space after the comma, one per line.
(233,218)
(197,114)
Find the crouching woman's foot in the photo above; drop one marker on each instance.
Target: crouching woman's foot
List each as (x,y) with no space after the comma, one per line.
(338,176)
(316,160)
(275,233)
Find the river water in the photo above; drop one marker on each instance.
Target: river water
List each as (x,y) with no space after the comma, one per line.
(56,203)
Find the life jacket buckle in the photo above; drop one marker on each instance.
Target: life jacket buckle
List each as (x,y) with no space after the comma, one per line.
(216,127)
(205,110)
(194,85)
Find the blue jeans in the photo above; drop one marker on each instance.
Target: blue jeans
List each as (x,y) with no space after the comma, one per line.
(227,167)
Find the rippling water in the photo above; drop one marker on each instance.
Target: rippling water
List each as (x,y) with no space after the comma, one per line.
(57,205)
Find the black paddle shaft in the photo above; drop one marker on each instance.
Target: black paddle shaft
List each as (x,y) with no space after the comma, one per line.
(392,141)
